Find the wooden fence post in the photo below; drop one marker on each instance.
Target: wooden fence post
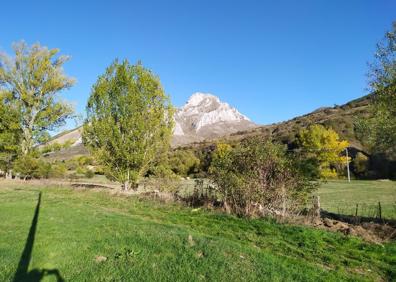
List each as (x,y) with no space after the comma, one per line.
(316,206)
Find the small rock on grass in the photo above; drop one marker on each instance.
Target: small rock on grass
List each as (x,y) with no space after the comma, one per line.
(191,240)
(99,259)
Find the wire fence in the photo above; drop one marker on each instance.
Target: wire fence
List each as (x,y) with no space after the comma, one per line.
(377,210)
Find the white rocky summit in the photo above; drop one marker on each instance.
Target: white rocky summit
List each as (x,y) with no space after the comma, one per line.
(205,116)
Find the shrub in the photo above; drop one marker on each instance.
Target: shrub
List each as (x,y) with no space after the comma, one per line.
(162,178)
(58,170)
(44,169)
(72,164)
(183,162)
(85,160)
(89,173)
(80,170)
(257,177)
(27,166)
(31,167)
(360,164)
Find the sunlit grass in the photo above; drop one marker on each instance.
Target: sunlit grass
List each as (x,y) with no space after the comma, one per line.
(145,240)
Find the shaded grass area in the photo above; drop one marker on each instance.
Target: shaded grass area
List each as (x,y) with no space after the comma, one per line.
(146,240)
(341,197)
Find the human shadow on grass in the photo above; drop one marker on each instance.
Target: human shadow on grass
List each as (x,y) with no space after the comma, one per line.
(22,273)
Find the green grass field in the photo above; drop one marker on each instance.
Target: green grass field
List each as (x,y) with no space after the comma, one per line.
(342,197)
(146,240)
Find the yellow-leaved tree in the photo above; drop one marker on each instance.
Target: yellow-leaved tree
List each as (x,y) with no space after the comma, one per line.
(322,149)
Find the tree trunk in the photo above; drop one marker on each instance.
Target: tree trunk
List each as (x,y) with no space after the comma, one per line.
(316,207)
(8,174)
(227,208)
(125,185)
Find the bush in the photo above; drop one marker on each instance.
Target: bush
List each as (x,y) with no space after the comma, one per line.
(80,170)
(58,170)
(85,160)
(162,178)
(31,167)
(89,173)
(27,166)
(183,162)
(360,164)
(44,170)
(72,164)
(257,177)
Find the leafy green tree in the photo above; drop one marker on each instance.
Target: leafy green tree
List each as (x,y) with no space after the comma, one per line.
(321,150)
(31,80)
(129,121)
(381,130)
(10,133)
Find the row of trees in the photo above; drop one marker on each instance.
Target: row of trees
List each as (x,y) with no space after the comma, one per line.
(129,118)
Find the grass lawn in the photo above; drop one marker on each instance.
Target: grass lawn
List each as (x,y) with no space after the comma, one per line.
(146,240)
(341,197)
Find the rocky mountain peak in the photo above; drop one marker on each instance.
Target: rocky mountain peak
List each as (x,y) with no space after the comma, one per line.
(205,116)
(204,109)
(201,99)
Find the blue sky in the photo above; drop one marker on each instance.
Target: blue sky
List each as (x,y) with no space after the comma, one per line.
(273,60)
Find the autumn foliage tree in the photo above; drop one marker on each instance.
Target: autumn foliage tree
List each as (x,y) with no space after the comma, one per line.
(129,121)
(321,150)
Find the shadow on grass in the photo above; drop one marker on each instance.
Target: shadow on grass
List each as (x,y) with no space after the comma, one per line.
(22,273)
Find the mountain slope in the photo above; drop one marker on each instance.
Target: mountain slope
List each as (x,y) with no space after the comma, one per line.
(341,118)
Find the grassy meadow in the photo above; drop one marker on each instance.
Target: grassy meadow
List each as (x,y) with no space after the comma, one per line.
(341,197)
(83,235)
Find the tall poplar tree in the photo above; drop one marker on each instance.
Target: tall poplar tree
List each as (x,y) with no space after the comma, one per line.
(381,130)
(129,121)
(29,84)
